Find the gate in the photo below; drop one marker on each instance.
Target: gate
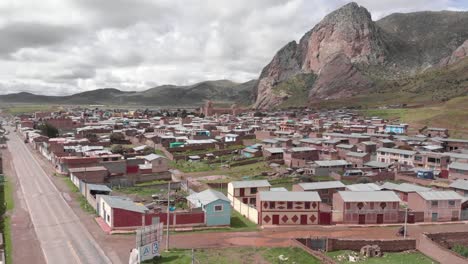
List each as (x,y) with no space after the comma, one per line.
(325,218)
(464,214)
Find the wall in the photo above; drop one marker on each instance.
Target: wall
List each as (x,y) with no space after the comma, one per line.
(245,210)
(437,252)
(214,218)
(395,245)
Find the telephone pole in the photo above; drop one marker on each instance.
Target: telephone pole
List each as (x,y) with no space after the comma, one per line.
(168,218)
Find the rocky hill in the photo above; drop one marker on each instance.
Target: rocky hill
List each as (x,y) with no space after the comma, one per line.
(349,54)
(166,95)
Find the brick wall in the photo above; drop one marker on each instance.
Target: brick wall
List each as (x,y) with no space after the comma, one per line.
(395,245)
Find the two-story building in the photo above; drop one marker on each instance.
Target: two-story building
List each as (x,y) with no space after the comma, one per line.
(325,189)
(246,191)
(367,207)
(436,205)
(392,155)
(299,156)
(288,208)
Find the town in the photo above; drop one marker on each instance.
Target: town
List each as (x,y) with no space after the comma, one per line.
(228,169)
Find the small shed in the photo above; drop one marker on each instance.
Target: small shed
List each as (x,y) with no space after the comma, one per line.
(216,206)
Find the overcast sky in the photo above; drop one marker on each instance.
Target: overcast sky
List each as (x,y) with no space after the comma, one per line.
(66,46)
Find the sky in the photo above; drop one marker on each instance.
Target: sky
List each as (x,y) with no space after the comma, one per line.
(61,47)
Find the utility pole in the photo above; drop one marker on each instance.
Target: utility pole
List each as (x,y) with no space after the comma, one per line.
(406,221)
(193,256)
(168,218)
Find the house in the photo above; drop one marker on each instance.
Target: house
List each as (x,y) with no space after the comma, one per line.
(325,189)
(358,159)
(458,170)
(436,132)
(460,186)
(363,187)
(216,206)
(95,174)
(231,137)
(288,208)
(392,155)
(396,129)
(91,191)
(299,156)
(120,212)
(246,191)
(273,153)
(367,207)
(367,146)
(342,149)
(404,189)
(158,163)
(324,167)
(431,160)
(436,205)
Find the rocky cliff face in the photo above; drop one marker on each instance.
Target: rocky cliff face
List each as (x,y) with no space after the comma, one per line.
(459,54)
(347,50)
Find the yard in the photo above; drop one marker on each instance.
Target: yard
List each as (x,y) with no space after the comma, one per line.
(412,257)
(238,256)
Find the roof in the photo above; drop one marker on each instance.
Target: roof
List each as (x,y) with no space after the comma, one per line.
(206,197)
(89,169)
(250,184)
(396,151)
(356,154)
(405,187)
(300,149)
(459,166)
(274,150)
(321,185)
(377,164)
(152,157)
(123,203)
(290,196)
(98,187)
(460,184)
(278,189)
(363,187)
(440,195)
(270,141)
(345,146)
(330,163)
(369,196)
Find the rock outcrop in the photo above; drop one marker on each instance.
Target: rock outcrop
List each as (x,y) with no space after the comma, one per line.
(459,54)
(347,50)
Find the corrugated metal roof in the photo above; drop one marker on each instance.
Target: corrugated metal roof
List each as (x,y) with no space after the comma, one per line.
(376,164)
(396,151)
(278,189)
(330,163)
(98,187)
(460,184)
(206,197)
(369,196)
(274,150)
(250,184)
(459,166)
(123,203)
(321,185)
(363,187)
(356,154)
(440,195)
(290,196)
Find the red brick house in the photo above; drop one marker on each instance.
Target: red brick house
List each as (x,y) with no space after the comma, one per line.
(367,207)
(299,156)
(288,208)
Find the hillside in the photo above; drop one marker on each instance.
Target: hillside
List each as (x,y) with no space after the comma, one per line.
(166,95)
(353,56)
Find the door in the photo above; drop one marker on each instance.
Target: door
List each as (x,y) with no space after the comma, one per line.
(380,219)
(362,219)
(303,219)
(435,217)
(276,219)
(241,192)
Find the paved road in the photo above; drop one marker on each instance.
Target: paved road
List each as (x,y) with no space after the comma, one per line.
(62,236)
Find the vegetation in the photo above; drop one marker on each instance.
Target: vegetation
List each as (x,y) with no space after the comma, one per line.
(296,89)
(85,206)
(18,109)
(401,257)
(236,256)
(461,249)
(116,138)
(6,204)
(48,130)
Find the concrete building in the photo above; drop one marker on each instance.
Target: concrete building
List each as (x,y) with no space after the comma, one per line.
(299,156)
(458,170)
(288,208)
(436,205)
(246,191)
(325,189)
(391,155)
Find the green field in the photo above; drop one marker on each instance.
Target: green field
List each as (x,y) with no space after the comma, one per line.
(237,256)
(391,258)
(26,108)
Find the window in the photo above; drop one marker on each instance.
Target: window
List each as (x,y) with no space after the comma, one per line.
(383,205)
(290,205)
(307,205)
(432,160)
(218,208)
(451,203)
(434,203)
(417,158)
(348,206)
(108,218)
(272,205)
(406,156)
(253,190)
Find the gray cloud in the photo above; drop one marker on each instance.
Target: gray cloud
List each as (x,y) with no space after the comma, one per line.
(133,45)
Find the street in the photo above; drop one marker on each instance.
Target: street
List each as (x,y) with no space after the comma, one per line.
(62,237)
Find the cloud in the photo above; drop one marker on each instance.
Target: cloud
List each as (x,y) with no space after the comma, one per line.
(68,46)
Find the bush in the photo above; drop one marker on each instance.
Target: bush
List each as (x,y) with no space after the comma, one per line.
(460,249)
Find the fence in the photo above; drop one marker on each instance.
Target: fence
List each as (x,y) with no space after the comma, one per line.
(245,210)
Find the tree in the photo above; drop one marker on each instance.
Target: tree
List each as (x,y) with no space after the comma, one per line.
(119,149)
(116,138)
(48,130)
(92,137)
(148,150)
(183,113)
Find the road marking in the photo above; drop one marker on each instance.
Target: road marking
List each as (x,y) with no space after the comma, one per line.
(73,251)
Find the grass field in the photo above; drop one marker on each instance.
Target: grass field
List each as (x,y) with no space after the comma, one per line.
(26,108)
(390,258)
(7,199)
(237,256)
(85,206)
(452,114)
